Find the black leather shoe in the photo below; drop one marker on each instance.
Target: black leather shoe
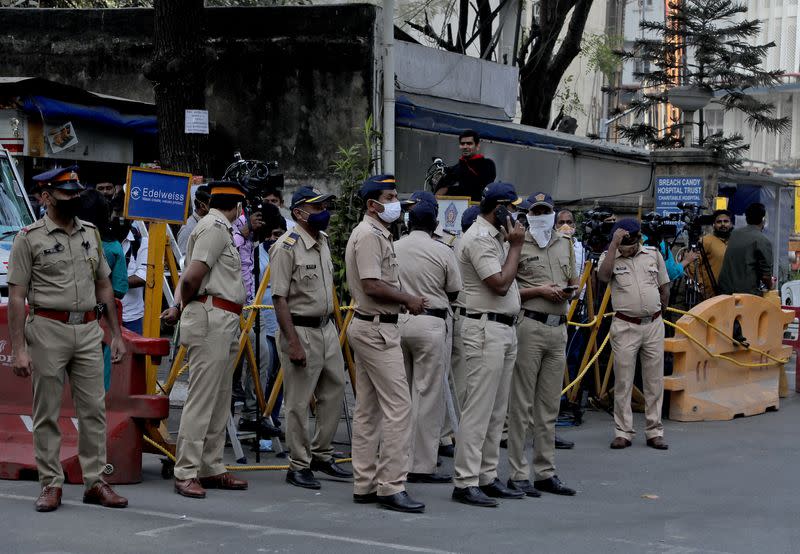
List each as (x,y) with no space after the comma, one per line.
(496,489)
(369,498)
(554,485)
(447,450)
(302,478)
(525,486)
(331,468)
(401,502)
(262,426)
(473,496)
(429,478)
(563,444)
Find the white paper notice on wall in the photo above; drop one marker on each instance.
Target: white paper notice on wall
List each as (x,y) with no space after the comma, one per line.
(196,122)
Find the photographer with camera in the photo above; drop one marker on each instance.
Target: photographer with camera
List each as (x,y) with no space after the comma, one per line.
(597,224)
(747,266)
(472,172)
(655,231)
(714,245)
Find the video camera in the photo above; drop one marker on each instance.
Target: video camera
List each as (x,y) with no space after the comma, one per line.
(596,229)
(658,227)
(256,177)
(694,219)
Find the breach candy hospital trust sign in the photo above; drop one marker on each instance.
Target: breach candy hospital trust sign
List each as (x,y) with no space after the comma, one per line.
(670,191)
(157,195)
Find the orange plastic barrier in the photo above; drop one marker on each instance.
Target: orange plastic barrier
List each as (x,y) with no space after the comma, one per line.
(728,380)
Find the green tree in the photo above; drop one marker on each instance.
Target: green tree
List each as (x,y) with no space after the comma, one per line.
(707,44)
(351,167)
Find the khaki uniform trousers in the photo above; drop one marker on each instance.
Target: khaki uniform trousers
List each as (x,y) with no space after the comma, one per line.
(210,336)
(629,341)
(536,397)
(57,350)
(382,417)
(455,375)
(322,377)
(490,349)
(424,339)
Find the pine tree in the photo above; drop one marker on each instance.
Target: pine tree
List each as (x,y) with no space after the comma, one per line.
(711,45)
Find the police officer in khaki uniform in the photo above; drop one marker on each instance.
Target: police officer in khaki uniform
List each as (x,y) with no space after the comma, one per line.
(640,292)
(546,279)
(211,294)
(492,303)
(382,418)
(57,263)
(457,374)
(308,343)
(428,269)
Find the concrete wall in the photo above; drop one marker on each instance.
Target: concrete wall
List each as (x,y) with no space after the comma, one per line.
(284,83)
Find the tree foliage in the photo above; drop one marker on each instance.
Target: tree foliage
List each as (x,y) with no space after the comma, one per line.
(352,166)
(707,44)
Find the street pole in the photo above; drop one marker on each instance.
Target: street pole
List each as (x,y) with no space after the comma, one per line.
(388,86)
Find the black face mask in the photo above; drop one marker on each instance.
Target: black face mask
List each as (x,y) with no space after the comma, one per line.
(68,208)
(268,244)
(501,214)
(723,234)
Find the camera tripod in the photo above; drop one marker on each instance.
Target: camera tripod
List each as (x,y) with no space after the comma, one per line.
(694,292)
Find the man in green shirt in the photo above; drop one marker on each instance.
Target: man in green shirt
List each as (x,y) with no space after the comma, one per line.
(748,259)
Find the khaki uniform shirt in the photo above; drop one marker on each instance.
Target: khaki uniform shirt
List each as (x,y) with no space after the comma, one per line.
(370,255)
(211,242)
(481,254)
(301,271)
(427,268)
(635,282)
(453,242)
(59,270)
(545,266)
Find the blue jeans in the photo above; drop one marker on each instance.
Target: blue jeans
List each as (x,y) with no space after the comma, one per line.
(135,326)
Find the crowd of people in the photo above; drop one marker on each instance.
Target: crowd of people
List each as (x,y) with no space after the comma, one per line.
(483,312)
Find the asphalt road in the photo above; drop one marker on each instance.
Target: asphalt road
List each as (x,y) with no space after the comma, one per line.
(721,487)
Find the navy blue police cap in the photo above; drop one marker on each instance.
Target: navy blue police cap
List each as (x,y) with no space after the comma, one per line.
(424,196)
(376,183)
(309,195)
(500,192)
(62,178)
(226,187)
(630,225)
(469,216)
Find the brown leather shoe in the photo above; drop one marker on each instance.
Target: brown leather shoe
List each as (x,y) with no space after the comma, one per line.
(49,499)
(104,495)
(658,443)
(189,488)
(619,443)
(225,481)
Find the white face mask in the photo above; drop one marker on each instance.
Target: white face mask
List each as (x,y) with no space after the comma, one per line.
(541,228)
(391,212)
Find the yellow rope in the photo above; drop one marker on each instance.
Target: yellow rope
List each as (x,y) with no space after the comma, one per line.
(169,455)
(727,336)
(588,364)
(722,356)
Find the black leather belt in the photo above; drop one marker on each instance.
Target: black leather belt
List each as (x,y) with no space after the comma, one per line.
(548,319)
(638,320)
(383,318)
(442,314)
(306,321)
(462,311)
(509,320)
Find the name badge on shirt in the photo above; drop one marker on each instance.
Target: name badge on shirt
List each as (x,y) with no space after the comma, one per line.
(57,248)
(312,266)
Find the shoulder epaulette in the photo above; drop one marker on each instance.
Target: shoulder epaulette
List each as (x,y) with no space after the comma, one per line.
(653,248)
(289,242)
(220,222)
(35,225)
(88,224)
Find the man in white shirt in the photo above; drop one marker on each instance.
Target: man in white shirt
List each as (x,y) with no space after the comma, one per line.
(135,248)
(201,199)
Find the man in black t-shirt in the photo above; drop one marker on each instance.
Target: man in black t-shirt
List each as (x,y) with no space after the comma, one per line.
(472,172)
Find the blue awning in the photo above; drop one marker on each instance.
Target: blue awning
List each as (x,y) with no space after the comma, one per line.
(412,115)
(49,108)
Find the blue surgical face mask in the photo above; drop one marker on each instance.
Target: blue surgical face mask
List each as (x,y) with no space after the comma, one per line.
(319,221)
